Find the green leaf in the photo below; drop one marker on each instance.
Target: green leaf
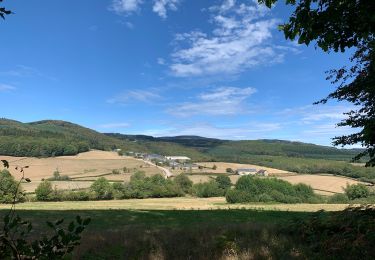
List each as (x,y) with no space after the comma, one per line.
(86,221)
(79,220)
(71,227)
(5,163)
(58,222)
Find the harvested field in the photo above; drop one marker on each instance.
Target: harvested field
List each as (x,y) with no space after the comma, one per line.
(322,184)
(61,185)
(84,166)
(222,166)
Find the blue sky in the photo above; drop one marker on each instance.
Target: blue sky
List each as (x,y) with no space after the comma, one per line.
(165,67)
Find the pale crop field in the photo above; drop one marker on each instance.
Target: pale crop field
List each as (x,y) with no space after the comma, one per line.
(222,166)
(322,184)
(82,167)
(184,203)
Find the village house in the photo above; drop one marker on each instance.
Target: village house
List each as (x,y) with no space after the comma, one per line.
(246,171)
(178,158)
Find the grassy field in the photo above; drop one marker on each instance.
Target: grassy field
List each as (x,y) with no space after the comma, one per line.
(155,229)
(182,203)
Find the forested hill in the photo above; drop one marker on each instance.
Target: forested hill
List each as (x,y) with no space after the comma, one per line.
(235,150)
(49,138)
(55,138)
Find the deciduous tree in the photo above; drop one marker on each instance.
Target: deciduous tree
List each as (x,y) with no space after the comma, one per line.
(339,25)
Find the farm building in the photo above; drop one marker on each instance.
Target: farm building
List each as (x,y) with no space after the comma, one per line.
(190,166)
(178,158)
(154,157)
(246,171)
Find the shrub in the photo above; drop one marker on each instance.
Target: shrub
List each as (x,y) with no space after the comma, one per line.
(224,182)
(238,196)
(184,183)
(76,196)
(214,167)
(115,171)
(207,189)
(45,192)
(356,191)
(58,177)
(229,170)
(9,187)
(338,199)
(102,189)
(254,189)
(304,191)
(138,175)
(150,187)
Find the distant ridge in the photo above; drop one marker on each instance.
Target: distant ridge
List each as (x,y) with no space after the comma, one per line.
(56,137)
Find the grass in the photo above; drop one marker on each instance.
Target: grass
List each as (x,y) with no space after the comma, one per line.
(180,203)
(165,234)
(178,228)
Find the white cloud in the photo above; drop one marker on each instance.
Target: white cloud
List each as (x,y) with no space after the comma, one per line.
(161,6)
(317,113)
(251,130)
(241,39)
(220,101)
(135,95)
(114,125)
(161,61)
(128,7)
(6,87)
(125,6)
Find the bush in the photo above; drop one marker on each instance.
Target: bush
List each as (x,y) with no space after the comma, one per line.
(156,186)
(45,192)
(76,196)
(357,191)
(238,196)
(207,189)
(224,182)
(102,189)
(8,188)
(58,177)
(115,171)
(183,183)
(254,189)
(338,199)
(229,170)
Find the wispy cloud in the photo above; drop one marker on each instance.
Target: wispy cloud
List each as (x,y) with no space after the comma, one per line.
(161,6)
(114,125)
(251,130)
(241,39)
(25,71)
(219,101)
(125,7)
(6,87)
(128,7)
(316,113)
(146,96)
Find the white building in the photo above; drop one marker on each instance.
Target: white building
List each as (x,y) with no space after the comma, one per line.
(246,171)
(178,158)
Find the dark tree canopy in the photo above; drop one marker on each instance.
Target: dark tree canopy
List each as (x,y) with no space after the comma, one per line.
(337,25)
(4,11)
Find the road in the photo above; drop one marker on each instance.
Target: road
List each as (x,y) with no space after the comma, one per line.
(166,171)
